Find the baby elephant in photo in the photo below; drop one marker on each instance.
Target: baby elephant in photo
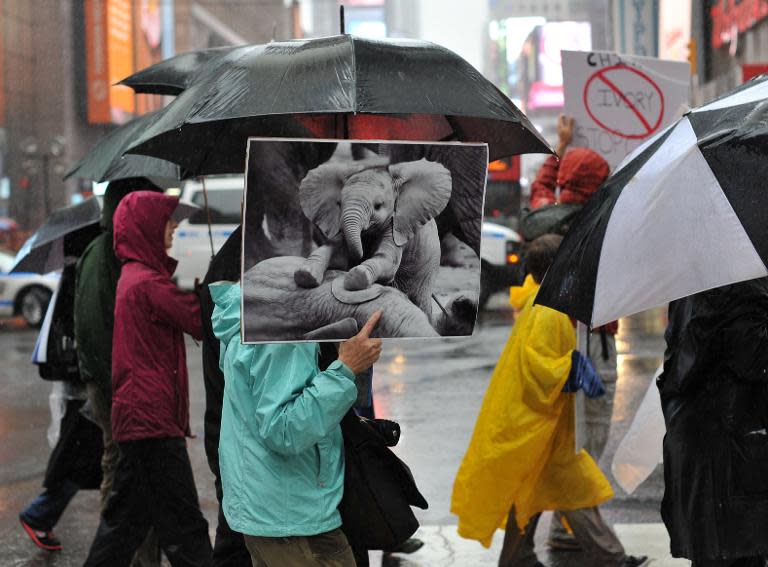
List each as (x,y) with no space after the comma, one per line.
(379,220)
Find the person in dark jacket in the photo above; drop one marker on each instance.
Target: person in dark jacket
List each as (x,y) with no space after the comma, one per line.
(74,463)
(98,271)
(571,176)
(153,484)
(714,395)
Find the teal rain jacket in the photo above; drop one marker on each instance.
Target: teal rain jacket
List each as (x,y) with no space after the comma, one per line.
(281,450)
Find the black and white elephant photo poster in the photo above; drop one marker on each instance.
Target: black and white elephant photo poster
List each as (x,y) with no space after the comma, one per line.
(335,230)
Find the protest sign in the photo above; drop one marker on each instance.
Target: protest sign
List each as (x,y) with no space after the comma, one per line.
(358,227)
(618,101)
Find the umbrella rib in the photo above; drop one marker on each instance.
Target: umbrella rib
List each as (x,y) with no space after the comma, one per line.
(354,71)
(278,90)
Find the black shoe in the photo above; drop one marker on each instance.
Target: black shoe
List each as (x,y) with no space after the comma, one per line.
(411,545)
(42,539)
(635,561)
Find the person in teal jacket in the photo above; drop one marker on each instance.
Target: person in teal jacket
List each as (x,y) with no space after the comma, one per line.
(281,448)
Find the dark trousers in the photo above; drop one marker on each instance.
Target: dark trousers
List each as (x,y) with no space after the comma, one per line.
(153,487)
(743,562)
(45,510)
(229,548)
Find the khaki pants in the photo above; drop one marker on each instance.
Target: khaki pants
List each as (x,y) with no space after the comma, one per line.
(330,549)
(148,555)
(599,411)
(101,404)
(590,530)
(597,417)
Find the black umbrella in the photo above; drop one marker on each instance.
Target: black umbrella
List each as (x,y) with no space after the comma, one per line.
(684,213)
(172,76)
(106,162)
(44,251)
(335,87)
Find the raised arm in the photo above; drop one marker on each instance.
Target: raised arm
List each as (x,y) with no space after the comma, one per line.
(296,405)
(544,186)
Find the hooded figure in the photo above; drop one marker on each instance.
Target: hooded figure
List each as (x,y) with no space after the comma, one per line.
(521,452)
(577,176)
(97,273)
(149,365)
(714,394)
(96,285)
(153,484)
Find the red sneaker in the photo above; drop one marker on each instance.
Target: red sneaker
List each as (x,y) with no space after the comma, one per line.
(43,540)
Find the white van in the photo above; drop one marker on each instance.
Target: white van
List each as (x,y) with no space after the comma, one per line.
(191,243)
(501,260)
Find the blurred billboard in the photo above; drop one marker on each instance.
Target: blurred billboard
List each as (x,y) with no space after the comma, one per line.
(674,30)
(121,36)
(2,70)
(545,70)
(366,18)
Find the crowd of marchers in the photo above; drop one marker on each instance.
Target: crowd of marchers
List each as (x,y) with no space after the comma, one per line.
(274,412)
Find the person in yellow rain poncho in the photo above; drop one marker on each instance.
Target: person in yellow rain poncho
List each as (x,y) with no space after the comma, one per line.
(521,459)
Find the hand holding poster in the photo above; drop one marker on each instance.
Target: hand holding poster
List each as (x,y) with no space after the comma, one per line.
(619,101)
(360,227)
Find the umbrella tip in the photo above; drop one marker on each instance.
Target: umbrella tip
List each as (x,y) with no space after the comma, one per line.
(341,19)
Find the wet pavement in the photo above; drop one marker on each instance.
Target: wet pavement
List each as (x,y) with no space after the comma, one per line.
(433,389)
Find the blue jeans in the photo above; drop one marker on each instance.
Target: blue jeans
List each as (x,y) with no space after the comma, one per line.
(45,510)
(364,402)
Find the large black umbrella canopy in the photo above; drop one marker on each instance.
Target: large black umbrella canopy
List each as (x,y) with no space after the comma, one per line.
(44,251)
(684,213)
(334,87)
(105,160)
(172,76)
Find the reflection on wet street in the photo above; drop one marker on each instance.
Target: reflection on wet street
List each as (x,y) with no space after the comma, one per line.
(433,389)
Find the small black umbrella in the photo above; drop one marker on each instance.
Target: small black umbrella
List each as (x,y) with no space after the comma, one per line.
(106,162)
(334,87)
(43,252)
(172,76)
(684,213)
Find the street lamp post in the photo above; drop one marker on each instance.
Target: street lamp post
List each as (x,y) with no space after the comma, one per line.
(33,154)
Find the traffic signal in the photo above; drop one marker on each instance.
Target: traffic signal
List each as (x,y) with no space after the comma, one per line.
(692,56)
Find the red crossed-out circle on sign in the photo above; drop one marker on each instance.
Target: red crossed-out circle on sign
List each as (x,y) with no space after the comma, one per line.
(649,123)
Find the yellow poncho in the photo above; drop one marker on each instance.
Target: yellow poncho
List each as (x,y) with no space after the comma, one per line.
(522,449)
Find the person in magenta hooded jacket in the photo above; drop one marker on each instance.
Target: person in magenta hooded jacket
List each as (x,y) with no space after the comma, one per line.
(153,485)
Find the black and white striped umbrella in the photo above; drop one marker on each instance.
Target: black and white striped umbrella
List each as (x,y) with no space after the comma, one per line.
(687,211)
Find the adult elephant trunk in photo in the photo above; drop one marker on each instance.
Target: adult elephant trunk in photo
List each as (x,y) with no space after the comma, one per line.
(277,309)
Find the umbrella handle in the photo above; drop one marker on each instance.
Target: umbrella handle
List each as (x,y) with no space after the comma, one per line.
(208,216)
